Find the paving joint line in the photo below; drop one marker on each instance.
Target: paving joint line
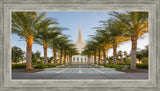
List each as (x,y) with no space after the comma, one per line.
(61,71)
(99,71)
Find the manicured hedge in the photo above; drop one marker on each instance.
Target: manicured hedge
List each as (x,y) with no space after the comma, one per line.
(101,64)
(18,66)
(59,64)
(42,66)
(142,66)
(50,65)
(119,67)
(139,66)
(123,64)
(38,66)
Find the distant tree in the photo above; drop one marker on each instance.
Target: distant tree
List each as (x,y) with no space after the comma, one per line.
(50,59)
(125,53)
(144,60)
(17,54)
(110,59)
(36,56)
(120,54)
(142,53)
(126,56)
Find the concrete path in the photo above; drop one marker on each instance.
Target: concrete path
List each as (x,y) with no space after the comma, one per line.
(78,74)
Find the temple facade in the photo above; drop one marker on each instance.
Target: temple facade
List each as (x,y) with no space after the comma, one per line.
(79,44)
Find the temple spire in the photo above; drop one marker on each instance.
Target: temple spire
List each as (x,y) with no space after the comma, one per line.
(80,38)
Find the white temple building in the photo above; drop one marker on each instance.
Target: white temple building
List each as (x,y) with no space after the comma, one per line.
(79,44)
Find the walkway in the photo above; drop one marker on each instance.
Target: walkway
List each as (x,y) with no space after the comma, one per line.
(79,71)
(80,65)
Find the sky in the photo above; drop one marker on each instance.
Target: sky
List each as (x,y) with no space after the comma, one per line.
(72,21)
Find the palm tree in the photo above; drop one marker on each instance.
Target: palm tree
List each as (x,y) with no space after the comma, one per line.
(99,40)
(87,52)
(103,38)
(136,24)
(67,47)
(24,24)
(61,45)
(92,46)
(45,34)
(53,44)
(71,52)
(116,32)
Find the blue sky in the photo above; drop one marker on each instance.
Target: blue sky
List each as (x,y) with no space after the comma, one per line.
(72,20)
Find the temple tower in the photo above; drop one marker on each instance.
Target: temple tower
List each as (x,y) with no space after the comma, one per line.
(80,37)
(79,44)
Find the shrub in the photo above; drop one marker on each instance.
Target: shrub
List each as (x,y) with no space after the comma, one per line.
(18,66)
(44,66)
(38,66)
(123,64)
(101,64)
(142,66)
(119,67)
(50,65)
(59,64)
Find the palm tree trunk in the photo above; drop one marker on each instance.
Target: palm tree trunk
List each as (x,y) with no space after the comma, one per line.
(114,53)
(104,55)
(89,57)
(61,56)
(65,57)
(99,56)
(55,55)
(70,59)
(45,52)
(94,57)
(29,41)
(133,53)
(36,60)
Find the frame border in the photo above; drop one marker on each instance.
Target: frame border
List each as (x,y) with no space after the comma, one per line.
(76,5)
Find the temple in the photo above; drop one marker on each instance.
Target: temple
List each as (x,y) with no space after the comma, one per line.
(79,44)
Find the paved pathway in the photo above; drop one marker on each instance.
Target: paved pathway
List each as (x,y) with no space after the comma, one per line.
(79,71)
